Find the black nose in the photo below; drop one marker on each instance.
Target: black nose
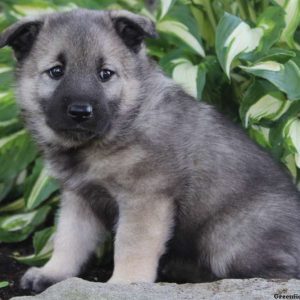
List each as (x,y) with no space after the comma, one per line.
(80,112)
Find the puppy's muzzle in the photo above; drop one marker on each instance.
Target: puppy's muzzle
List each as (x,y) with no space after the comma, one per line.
(80,111)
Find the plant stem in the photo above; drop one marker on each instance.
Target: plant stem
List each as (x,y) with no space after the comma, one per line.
(242,10)
(210,14)
(251,11)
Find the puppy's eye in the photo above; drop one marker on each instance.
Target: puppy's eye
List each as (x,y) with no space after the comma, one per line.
(56,72)
(105,74)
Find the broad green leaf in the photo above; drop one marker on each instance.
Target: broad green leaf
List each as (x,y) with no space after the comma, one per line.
(185,73)
(43,240)
(201,80)
(5,68)
(9,127)
(297,159)
(291,133)
(167,61)
(165,6)
(206,28)
(234,37)
(6,55)
(14,206)
(268,107)
(34,260)
(8,107)
(292,20)
(216,84)
(285,77)
(34,9)
(278,137)
(271,21)
(43,248)
(262,101)
(260,134)
(32,177)
(290,162)
(16,152)
(190,77)
(6,81)
(279,55)
(4,284)
(18,227)
(5,187)
(42,189)
(16,222)
(182,32)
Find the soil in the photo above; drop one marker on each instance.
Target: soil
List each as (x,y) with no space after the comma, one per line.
(12,271)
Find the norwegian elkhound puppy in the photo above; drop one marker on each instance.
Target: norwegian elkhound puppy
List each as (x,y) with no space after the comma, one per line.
(187,195)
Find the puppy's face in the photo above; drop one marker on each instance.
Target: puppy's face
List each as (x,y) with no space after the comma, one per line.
(78,71)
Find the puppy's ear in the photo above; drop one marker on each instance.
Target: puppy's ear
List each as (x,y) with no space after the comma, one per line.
(132,28)
(21,36)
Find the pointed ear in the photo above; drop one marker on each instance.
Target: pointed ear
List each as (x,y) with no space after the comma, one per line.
(21,36)
(132,28)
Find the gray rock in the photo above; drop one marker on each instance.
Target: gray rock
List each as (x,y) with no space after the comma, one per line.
(233,289)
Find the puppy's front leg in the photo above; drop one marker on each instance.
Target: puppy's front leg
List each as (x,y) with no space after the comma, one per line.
(78,233)
(144,227)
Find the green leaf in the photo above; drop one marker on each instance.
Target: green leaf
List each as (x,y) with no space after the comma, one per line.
(165,6)
(167,61)
(291,133)
(204,25)
(185,73)
(5,187)
(8,107)
(262,101)
(43,246)
(32,177)
(285,77)
(290,162)
(34,260)
(42,238)
(279,55)
(9,127)
(16,222)
(18,227)
(201,80)
(14,206)
(292,20)
(216,84)
(182,32)
(268,107)
(234,37)
(16,152)
(4,284)
(260,134)
(6,57)
(28,9)
(271,21)
(280,148)
(42,189)
(190,77)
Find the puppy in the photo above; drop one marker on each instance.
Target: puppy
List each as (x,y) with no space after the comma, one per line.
(187,195)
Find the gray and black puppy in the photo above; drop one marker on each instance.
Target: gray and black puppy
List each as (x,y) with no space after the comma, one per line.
(188,196)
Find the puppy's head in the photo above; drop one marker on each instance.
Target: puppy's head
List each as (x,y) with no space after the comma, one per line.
(78,71)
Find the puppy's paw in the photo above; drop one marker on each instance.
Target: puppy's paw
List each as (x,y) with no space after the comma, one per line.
(35,280)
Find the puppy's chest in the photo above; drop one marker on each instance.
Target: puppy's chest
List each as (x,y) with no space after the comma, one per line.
(118,172)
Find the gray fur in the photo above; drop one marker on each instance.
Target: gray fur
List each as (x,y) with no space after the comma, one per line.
(187,194)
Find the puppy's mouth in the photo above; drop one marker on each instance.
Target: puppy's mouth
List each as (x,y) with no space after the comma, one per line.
(80,133)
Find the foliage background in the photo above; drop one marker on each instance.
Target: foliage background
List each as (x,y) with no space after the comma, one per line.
(241,56)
